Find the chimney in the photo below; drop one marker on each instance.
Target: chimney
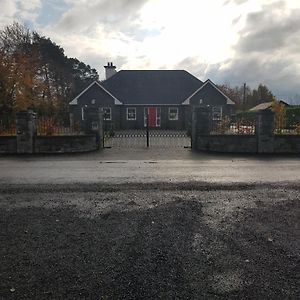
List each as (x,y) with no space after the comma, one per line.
(110,70)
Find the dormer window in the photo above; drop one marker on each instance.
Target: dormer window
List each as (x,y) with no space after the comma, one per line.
(93,101)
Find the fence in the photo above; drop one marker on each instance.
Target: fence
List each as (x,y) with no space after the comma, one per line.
(7,125)
(45,135)
(232,126)
(52,125)
(282,126)
(244,126)
(238,136)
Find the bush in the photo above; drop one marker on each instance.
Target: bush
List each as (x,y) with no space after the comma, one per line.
(249,116)
(292,116)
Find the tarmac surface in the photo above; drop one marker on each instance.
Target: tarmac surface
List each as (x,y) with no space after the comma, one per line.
(148,165)
(141,224)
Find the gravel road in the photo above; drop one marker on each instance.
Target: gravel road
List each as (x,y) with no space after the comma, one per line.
(150,241)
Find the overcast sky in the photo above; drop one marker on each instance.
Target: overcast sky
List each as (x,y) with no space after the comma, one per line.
(232,41)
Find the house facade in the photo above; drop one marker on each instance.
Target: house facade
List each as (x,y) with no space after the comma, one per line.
(163,97)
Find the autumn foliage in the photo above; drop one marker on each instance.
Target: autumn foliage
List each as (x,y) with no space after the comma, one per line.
(245,97)
(35,73)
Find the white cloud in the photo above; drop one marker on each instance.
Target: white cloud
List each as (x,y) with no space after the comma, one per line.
(229,40)
(8,11)
(19,10)
(267,51)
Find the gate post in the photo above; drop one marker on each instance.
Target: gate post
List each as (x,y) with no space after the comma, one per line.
(265,131)
(147,128)
(100,132)
(26,131)
(200,124)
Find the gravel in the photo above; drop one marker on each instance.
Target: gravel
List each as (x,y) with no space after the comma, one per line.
(150,241)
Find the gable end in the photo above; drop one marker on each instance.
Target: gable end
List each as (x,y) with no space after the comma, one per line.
(208,81)
(75,100)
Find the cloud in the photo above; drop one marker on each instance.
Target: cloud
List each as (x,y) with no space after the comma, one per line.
(267,51)
(8,11)
(270,29)
(227,40)
(235,2)
(19,10)
(85,14)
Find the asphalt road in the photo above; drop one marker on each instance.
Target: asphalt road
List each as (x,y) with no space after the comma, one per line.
(149,224)
(148,165)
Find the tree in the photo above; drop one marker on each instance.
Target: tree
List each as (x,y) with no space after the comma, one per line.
(35,73)
(252,97)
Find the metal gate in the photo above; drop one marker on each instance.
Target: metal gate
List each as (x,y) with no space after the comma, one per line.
(146,138)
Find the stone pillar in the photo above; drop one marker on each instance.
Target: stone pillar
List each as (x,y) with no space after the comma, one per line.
(265,131)
(71,115)
(100,134)
(200,123)
(94,124)
(26,131)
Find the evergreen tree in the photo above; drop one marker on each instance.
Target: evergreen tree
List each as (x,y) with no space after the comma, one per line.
(35,73)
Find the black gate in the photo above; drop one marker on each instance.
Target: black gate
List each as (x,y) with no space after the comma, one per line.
(157,138)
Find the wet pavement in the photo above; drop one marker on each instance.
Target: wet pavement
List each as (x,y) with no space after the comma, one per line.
(117,165)
(149,224)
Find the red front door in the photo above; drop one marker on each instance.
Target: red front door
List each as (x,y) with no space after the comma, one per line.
(152,117)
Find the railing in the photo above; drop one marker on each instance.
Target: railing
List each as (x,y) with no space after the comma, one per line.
(47,126)
(7,125)
(230,126)
(291,130)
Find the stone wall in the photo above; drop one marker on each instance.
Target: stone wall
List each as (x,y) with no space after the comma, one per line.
(286,144)
(227,143)
(8,144)
(27,141)
(264,140)
(66,144)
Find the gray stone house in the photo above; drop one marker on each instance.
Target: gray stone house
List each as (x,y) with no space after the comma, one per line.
(165,96)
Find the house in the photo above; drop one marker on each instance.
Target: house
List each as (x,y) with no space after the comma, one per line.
(165,96)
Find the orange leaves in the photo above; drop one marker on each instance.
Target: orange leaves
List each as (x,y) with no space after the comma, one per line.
(279,111)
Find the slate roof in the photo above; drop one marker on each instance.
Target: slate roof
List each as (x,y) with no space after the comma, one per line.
(152,86)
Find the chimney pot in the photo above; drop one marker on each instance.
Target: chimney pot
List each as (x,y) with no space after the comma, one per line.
(110,70)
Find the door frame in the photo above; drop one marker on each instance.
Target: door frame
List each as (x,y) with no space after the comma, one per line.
(157,116)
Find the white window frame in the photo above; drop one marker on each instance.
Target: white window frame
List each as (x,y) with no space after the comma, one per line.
(158,116)
(176,116)
(127,114)
(104,118)
(93,101)
(217,110)
(82,113)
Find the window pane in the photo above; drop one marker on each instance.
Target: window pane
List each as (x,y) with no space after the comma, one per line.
(217,112)
(106,113)
(173,113)
(131,113)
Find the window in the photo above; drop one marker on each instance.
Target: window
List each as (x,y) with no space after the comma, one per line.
(217,113)
(173,113)
(95,126)
(131,113)
(93,101)
(106,113)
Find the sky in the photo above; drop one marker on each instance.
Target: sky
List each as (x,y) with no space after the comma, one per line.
(227,41)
